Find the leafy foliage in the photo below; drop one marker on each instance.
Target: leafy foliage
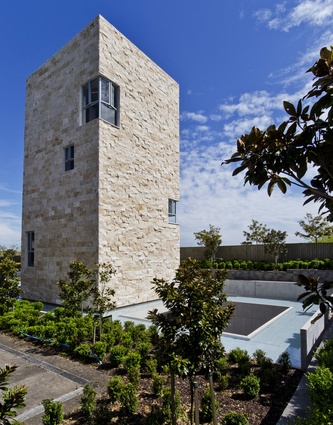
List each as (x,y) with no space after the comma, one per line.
(257,233)
(74,293)
(88,399)
(12,398)
(316,293)
(191,332)
(234,418)
(282,155)
(314,227)
(84,283)
(211,239)
(54,412)
(9,282)
(274,240)
(250,385)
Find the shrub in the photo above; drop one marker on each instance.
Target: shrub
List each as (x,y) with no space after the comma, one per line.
(284,362)
(237,355)
(132,359)
(54,412)
(88,399)
(99,348)
(243,265)
(133,373)
(260,357)
(158,385)
(223,381)
(268,374)
(249,265)
(114,388)
(128,399)
(143,349)
(236,265)
(83,351)
(320,384)
(166,406)
(242,359)
(127,340)
(250,385)
(151,367)
(325,355)
(221,366)
(116,355)
(234,418)
(117,332)
(222,265)
(228,265)
(206,412)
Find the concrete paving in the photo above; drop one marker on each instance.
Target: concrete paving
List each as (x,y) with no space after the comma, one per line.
(46,376)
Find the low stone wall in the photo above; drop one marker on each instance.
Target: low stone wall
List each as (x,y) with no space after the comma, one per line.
(278,276)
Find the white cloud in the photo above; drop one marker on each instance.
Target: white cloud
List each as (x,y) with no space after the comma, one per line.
(312,12)
(211,195)
(194,116)
(10,228)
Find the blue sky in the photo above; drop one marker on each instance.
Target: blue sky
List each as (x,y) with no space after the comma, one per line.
(235,61)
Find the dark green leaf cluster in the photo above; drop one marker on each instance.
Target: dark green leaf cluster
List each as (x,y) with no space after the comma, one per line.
(281,156)
(12,398)
(315,293)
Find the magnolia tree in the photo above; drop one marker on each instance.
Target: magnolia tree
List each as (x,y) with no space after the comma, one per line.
(198,312)
(302,145)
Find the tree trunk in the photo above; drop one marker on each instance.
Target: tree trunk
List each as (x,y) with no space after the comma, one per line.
(173,401)
(212,397)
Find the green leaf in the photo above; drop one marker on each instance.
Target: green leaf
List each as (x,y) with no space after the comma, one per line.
(238,170)
(303,280)
(289,108)
(282,186)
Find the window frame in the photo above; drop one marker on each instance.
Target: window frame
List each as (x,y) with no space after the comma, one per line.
(69,158)
(172,211)
(95,102)
(31,249)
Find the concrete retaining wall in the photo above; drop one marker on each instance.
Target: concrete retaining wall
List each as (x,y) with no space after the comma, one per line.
(311,334)
(263,289)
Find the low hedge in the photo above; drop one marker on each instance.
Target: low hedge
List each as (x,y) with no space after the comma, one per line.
(325,264)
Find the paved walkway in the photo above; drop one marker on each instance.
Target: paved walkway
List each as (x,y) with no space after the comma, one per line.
(47,376)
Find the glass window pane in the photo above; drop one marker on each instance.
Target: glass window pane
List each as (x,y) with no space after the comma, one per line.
(108,113)
(94,90)
(105,91)
(113,96)
(92,112)
(85,94)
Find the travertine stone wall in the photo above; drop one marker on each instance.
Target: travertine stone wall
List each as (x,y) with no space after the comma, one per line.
(113,207)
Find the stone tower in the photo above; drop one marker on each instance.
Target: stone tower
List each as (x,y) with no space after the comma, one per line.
(101,167)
